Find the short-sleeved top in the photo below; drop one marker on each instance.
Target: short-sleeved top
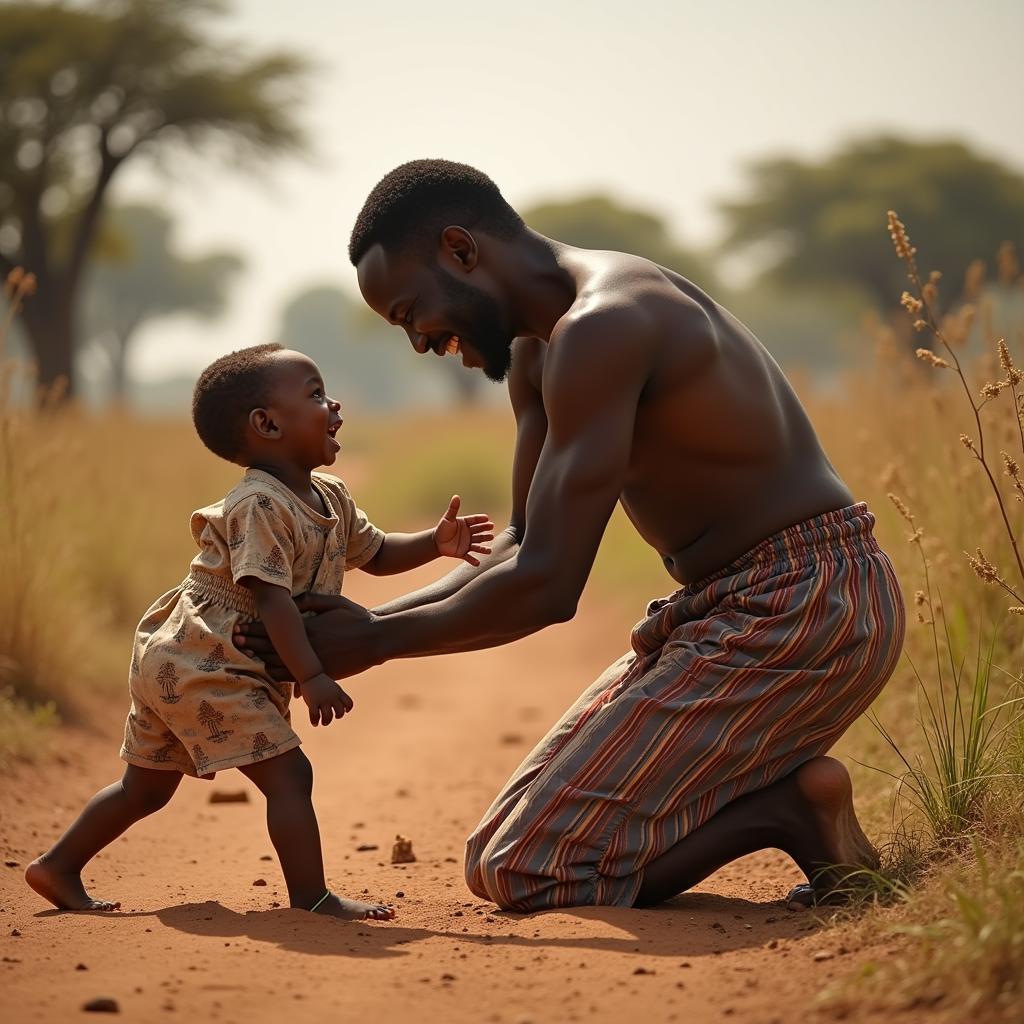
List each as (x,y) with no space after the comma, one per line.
(262,529)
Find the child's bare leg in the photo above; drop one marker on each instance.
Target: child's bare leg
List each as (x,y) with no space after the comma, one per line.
(56,875)
(287,783)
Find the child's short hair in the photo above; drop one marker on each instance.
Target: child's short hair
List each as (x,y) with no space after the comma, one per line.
(226,392)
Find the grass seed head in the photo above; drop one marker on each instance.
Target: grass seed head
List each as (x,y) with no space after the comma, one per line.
(1013,375)
(910,303)
(991,390)
(983,568)
(1012,470)
(898,232)
(928,356)
(969,445)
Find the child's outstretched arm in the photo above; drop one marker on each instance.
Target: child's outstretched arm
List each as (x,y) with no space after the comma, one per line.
(454,536)
(283,621)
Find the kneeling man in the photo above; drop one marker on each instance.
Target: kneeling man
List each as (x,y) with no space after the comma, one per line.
(705,741)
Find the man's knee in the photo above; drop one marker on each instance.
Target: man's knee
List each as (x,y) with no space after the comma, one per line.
(490,876)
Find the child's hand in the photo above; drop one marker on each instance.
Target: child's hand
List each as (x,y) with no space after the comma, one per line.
(324,698)
(457,536)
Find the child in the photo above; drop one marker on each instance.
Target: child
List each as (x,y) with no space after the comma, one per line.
(199,705)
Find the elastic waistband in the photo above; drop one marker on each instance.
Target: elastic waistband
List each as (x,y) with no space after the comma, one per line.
(846,531)
(220,591)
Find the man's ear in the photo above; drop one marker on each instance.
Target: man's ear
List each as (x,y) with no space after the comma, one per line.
(458,246)
(263,422)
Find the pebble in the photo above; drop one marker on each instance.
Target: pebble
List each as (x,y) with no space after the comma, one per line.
(823,954)
(15,932)
(81,967)
(642,970)
(11,864)
(363,847)
(266,856)
(228,796)
(101,1005)
(400,894)
(260,881)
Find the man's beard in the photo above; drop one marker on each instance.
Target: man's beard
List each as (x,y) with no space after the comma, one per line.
(486,330)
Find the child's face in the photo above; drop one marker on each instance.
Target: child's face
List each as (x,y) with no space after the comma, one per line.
(305,417)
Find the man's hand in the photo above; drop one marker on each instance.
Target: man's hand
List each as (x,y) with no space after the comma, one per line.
(459,536)
(325,699)
(342,634)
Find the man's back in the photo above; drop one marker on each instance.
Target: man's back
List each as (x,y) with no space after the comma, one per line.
(723,455)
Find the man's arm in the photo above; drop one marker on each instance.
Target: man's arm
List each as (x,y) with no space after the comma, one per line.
(593,377)
(278,613)
(531,429)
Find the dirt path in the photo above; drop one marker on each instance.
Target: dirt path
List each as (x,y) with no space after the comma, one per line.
(427,748)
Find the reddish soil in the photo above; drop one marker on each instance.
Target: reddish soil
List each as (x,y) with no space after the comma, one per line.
(428,746)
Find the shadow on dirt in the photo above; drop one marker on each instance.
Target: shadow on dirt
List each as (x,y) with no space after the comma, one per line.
(702,924)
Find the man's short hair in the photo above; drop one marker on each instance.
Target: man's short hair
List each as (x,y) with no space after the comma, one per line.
(226,392)
(415,202)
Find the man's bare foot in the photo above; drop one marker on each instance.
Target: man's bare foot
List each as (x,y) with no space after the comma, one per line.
(354,910)
(828,843)
(64,890)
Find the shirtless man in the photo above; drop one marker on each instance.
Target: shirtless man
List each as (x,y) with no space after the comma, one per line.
(629,384)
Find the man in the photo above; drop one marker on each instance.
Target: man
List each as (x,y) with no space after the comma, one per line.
(630,385)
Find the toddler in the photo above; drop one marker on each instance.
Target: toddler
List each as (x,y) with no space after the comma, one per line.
(200,705)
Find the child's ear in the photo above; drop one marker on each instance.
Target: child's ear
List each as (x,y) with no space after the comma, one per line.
(263,422)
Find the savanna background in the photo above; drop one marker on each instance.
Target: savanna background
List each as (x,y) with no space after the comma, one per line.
(178,179)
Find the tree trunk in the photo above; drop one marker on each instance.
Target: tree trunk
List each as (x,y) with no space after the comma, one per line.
(48,324)
(119,368)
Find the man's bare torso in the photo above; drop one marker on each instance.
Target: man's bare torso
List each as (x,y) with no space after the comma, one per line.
(722,457)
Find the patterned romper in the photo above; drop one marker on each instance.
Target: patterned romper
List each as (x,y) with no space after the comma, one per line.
(200,705)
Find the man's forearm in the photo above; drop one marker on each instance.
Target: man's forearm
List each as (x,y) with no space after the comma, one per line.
(503,604)
(285,627)
(504,547)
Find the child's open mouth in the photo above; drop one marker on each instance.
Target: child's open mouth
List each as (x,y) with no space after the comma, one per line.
(332,430)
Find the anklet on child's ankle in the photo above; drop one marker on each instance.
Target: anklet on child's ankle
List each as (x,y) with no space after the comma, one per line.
(320,901)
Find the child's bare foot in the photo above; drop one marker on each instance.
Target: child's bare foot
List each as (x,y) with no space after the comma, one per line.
(354,910)
(64,890)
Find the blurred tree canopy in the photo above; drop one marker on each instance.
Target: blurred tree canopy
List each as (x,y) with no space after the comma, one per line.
(85,88)
(599,222)
(140,277)
(823,222)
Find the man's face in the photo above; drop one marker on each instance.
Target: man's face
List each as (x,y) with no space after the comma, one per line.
(439,311)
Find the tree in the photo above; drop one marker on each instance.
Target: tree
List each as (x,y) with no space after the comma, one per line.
(599,222)
(168,680)
(823,222)
(140,277)
(83,90)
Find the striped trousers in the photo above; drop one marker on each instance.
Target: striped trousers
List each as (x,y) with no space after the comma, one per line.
(731,684)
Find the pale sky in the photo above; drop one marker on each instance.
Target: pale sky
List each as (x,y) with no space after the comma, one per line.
(658,103)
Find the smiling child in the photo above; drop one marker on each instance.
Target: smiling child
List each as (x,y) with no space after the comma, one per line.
(200,705)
